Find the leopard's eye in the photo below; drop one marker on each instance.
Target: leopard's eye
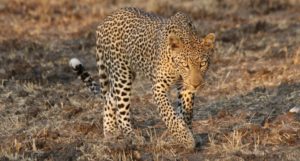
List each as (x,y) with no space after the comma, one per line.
(203,64)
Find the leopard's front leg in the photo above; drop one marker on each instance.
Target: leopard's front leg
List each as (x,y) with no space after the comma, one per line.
(185,100)
(174,123)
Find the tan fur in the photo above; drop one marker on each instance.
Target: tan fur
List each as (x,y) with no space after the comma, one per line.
(167,50)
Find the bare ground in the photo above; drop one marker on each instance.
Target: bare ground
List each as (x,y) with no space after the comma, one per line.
(241,114)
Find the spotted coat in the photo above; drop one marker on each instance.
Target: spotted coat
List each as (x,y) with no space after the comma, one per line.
(166,50)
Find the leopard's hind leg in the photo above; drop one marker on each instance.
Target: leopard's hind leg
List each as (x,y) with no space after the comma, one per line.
(121,80)
(110,127)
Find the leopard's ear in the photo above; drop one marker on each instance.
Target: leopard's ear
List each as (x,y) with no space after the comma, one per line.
(209,41)
(174,41)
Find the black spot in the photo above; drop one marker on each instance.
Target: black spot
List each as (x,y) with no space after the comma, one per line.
(123,68)
(105,83)
(125,99)
(165,81)
(123,81)
(127,107)
(116,78)
(120,85)
(123,113)
(117,91)
(121,105)
(118,98)
(84,75)
(103,76)
(118,74)
(179,96)
(102,67)
(123,94)
(127,89)
(79,69)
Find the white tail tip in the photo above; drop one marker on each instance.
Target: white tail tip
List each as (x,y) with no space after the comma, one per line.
(74,62)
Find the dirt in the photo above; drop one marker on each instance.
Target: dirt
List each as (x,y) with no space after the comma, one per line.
(241,114)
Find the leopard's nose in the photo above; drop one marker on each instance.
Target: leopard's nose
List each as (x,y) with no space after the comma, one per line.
(196,86)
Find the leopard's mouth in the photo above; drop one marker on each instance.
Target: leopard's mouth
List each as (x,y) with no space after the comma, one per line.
(186,85)
(192,88)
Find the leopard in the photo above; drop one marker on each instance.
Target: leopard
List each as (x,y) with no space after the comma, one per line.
(167,50)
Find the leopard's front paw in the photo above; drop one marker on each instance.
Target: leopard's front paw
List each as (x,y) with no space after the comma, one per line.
(184,135)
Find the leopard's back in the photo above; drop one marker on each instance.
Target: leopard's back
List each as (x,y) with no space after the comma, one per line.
(130,34)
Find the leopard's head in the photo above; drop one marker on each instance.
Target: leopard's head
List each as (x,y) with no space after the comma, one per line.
(190,57)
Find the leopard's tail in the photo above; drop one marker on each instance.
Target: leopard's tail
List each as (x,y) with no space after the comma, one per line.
(84,75)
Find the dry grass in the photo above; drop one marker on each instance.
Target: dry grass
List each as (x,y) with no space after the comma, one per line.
(241,114)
